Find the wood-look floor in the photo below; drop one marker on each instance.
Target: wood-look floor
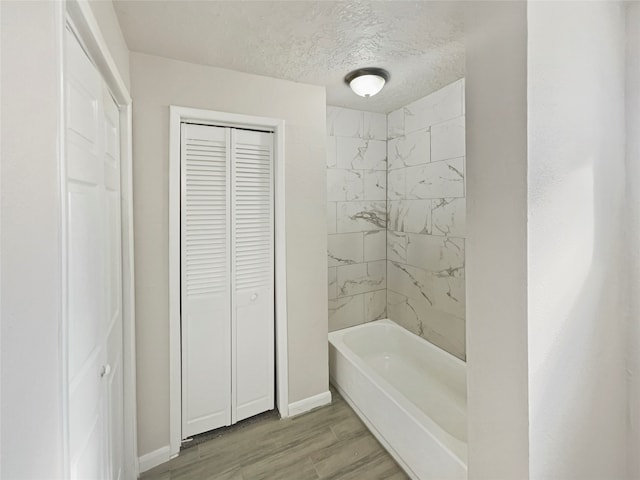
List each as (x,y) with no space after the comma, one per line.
(328,443)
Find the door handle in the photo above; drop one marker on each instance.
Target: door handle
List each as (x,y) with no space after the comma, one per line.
(105,370)
(254,297)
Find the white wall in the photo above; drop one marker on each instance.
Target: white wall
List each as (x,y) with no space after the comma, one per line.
(577,390)
(633,231)
(31,438)
(496,269)
(156,84)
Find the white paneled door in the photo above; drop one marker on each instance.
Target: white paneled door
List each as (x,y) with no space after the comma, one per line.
(94,276)
(227,276)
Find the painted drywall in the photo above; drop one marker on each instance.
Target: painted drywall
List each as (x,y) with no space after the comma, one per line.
(496,253)
(576,150)
(157,83)
(356,216)
(109,26)
(426,211)
(633,232)
(31,356)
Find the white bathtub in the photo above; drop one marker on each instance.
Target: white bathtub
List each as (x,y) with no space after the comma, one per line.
(409,393)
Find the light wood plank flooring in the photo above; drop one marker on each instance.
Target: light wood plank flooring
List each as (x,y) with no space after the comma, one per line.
(328,443)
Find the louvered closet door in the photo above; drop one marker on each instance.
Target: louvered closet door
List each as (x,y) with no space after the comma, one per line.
(252,273)
(205,264)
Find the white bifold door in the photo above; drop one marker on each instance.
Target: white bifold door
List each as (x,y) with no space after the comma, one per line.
(93,287)
(227,276)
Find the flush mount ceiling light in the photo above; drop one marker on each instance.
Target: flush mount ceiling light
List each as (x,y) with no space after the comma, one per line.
(366,82)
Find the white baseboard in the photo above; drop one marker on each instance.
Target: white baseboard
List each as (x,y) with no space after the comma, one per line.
(155,458)
(306,404)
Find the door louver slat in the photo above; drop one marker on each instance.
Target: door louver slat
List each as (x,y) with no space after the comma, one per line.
(253,215)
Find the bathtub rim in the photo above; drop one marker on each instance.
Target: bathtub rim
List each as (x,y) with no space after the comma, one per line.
(374,431)
(405,404)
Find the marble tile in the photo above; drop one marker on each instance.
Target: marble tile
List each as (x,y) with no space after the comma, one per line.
(437,107)
(443,256)
(344,122)
(344,185)
(410,150)
(331,217)
(375,305)
(448,217)
(464,86)
(345,249)
(396,184)
(396,247)
(361,216)
(375,126)
(396,213)
(442,329)
(345,312)
(375,245)
(333,282)
(395,123)
(448,139)
(436,180)
(444,293)
(332,159)
(375,185)
(359,154)
(361,278)
(410,216)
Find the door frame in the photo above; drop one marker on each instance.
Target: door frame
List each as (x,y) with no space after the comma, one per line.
(177,115)
(79,18)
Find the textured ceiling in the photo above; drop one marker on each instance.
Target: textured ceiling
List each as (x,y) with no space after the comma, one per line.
(420,43)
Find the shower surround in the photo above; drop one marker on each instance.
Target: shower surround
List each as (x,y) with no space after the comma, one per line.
(407,193)
(426,212)
(357,216)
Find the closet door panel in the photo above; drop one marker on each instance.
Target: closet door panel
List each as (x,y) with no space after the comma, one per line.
(252,273)
(205,264)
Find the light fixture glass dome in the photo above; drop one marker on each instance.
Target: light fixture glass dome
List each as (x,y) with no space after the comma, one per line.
(366,82)
(367,85)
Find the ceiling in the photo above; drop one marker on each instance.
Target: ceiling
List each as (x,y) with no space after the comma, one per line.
(421,43)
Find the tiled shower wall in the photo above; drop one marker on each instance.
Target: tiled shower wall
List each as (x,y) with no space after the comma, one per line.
(426,210)
(411,267)
(356,194)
